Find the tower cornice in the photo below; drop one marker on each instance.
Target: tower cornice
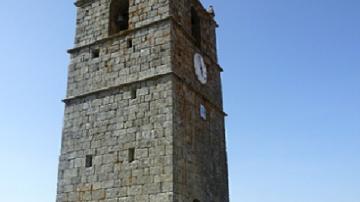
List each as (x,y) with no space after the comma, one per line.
(176,76)
(82,3)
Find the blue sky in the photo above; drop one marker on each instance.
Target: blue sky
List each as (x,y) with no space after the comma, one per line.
(291,89)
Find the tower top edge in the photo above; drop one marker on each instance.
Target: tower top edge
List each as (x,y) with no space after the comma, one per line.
(81,3)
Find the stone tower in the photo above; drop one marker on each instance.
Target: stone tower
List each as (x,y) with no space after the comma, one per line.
(144,120)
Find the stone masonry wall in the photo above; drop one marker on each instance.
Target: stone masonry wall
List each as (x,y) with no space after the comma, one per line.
(138,90)
(183,65)
(106,125)
(181,11)
(200,164)
(118,63)
(93,17)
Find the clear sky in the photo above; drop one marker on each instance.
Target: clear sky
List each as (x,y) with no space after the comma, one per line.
(291,89)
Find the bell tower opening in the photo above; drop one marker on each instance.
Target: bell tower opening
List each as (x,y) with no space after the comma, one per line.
(195,26)
(119,16)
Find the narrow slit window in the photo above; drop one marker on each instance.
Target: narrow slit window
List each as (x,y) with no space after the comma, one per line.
(119,16)
(131,155)
(195,27)
(95,53)
(129,43)
(196,200)
(203,112)
(133,94)
(88,161)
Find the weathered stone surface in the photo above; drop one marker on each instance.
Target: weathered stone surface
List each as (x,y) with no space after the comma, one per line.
(133,105)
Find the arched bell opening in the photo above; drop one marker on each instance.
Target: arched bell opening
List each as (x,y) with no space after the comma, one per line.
(119,16)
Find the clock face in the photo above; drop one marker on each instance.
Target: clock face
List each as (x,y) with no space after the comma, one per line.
(200,68)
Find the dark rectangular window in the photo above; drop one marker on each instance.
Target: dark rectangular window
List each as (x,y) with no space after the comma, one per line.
(119,16)
(133,94)
(129,43)
(88,161)
(95,53)
(131,155)
(196,27)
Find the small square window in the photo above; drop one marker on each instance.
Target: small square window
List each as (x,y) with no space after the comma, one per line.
(95,53)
